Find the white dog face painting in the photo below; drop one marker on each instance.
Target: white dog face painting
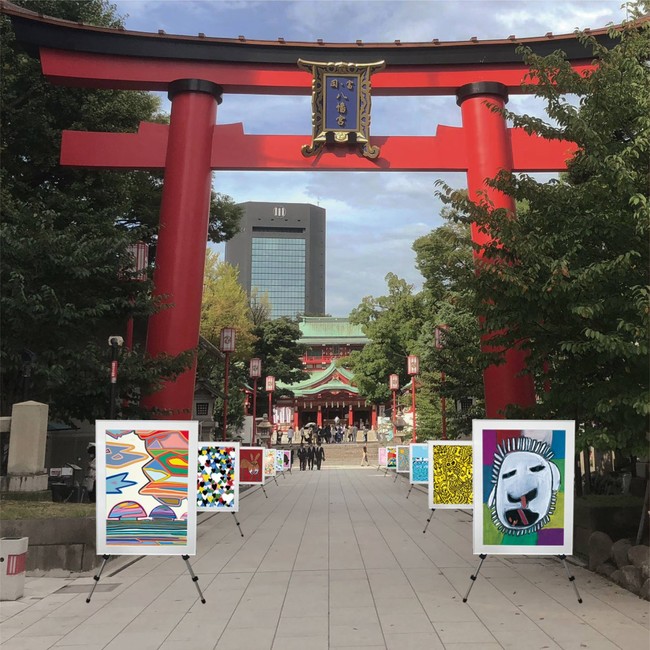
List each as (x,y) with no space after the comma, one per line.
(523,486)
(526,484)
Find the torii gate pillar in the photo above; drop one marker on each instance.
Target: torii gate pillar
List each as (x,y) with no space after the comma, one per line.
(182,238)
(489,151)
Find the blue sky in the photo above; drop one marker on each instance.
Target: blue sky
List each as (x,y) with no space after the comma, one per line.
(372,218)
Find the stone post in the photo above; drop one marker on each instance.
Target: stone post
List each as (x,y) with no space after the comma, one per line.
(26,466)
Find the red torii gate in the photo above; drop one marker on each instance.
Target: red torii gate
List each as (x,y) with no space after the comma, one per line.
(197,71)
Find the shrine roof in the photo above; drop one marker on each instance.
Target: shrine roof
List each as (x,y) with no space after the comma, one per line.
(330,378)
(36,30)
(329,330)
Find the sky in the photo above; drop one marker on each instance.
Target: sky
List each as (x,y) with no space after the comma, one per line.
(372,218)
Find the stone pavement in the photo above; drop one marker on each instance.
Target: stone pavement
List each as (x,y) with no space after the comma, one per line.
(332,559)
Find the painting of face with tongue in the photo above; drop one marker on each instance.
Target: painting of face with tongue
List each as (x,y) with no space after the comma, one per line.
(526,482)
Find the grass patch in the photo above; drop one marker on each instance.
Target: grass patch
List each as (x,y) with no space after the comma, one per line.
(10,509)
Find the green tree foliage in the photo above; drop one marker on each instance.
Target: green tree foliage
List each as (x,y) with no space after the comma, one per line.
(225,304)
(451,366)
(569,275)
(66,232)
(281,354)
(393,323)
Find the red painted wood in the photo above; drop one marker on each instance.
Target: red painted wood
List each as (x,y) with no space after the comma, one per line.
(180,255)
(111,71)
(489,149)
(232,149)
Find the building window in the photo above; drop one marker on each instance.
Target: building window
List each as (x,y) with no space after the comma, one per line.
(201,408)
(279,212)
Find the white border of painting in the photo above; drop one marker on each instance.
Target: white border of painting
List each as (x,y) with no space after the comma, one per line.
(426,453)
(101,426)
(569,471)
(235,504)
(447,506)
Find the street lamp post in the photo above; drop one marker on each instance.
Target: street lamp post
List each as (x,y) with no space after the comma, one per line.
(227,346)
(413,368)
(255,371)
(270,387)
(440,338)
(393,384)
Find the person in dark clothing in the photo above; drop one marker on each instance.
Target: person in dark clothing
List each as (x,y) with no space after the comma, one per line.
(310,456)
(319,456)
(302,457)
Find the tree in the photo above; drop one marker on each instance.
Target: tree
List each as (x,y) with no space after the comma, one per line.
(444,258)
(65,236)
(569,275)
(225,304)
(393,323)
(281,354)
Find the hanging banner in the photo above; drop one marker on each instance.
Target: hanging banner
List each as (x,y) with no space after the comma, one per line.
(146,487)
(523,486)
(450,474)
(251,465)
(217,476)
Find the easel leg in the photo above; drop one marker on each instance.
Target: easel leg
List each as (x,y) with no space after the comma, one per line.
(275,478)
(433,512)
(238,524)
(572,579)
(473,577)
(97,577)
(195,579)
(409,492)
(263,490)
(283,475)
(396,475)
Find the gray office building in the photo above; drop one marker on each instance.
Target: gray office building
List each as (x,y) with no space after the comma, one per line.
(280,250)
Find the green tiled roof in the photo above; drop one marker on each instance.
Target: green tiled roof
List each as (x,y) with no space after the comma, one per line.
(328,330)
(311,385)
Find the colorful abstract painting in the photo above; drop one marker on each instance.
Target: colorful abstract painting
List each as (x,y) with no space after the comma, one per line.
(403,459)
(391,457)
(146,487)
(217,477)
(523,486)
(450,474)
(269,463)
(286,460)
(251,465)
(279,460)
(381,457)
(419,463)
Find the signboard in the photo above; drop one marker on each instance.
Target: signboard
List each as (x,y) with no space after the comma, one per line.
(391,457)
(146,487)
(340,105)
(269,463)
(523,486)
(381,457)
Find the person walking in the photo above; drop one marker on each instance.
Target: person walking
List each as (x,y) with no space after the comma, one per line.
(290,434)
(311,452)
(364,456)
(320,456)
(302,457)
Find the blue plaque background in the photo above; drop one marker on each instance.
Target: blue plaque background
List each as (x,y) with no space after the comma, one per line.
(341,95)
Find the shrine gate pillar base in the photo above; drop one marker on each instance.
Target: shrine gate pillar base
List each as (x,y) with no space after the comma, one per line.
(182,238)
(489,151)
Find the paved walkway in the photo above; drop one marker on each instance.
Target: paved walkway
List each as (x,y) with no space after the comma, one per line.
(332,559)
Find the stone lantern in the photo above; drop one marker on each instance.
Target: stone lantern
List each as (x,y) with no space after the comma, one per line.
(264,428)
